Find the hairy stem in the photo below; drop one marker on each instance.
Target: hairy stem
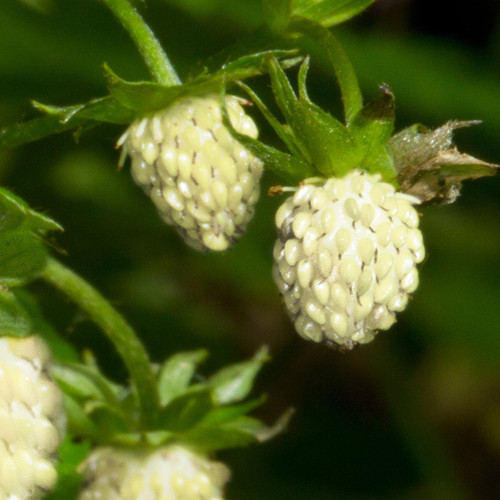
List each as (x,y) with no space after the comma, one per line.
(119,332)
(156,59)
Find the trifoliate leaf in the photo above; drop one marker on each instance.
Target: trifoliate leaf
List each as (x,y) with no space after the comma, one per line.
(176,373)
(233,383)
(15,321)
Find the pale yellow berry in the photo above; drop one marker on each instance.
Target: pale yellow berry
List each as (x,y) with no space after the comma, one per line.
(346,257)
(169,472)
(32,421)
(188,163)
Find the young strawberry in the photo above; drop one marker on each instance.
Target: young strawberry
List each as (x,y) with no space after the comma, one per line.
(345,258)
(32,421)
(171,472)
(200,178)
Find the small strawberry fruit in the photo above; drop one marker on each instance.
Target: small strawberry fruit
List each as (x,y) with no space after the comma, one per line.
(345,258)
(171,472)
(32,421)
(200,178)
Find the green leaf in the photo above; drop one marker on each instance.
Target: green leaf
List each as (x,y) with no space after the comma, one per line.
(330,12)
(14,211)
(277,13)
(22,257)
(186,411)
(176,373)
(15,321)
(105,109)
(233,383)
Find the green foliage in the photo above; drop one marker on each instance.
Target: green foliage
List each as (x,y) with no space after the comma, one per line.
(201,413)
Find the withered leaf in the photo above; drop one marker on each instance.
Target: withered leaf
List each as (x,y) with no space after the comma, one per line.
(428,165)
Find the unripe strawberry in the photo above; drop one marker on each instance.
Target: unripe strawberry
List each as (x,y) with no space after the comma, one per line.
(171,472)
(345,258)
(32,421)
(200,178)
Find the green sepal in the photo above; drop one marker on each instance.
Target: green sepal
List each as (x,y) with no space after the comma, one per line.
(372,127)
(330,12)
(146,97)
(176,373)
(290,168)
(233,383)
(15,320)
(186,411)
(226,413)
(79,423)
(85,383)
(127,100)
(14,212)
(277,13)
(212,438)
(331,147)
(108,419)
(22,257)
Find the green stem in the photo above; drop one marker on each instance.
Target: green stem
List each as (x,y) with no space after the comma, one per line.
(344,71)
(149,47)
(116,328)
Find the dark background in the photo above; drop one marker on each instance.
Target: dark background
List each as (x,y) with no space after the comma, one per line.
(414,415)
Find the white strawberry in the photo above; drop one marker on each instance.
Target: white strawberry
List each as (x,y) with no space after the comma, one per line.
(32,421)
(345,258)
(200,178)
(171,472)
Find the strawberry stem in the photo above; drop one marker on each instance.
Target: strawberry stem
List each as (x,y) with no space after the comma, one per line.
(119,332)
(152,52)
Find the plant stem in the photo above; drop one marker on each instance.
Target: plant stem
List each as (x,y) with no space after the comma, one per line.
(119,332)
(156,59)
(344,71)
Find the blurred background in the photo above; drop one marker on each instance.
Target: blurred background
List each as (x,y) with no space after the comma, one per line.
(414,415)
